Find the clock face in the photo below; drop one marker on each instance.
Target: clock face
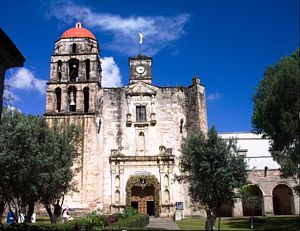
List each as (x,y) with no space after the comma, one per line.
(140,69)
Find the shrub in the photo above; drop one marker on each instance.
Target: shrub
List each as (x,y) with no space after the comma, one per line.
(129,212)
(94,220)
(119,215)
(137,220)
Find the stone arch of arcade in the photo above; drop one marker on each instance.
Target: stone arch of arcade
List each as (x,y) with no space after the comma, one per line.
(259,209)
(143,193)
(283,200)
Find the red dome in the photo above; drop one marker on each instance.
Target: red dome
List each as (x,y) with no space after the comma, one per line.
(78,32)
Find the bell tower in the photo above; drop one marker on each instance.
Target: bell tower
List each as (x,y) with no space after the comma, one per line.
(75,73)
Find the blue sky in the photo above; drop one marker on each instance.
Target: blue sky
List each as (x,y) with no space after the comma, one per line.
(228,43)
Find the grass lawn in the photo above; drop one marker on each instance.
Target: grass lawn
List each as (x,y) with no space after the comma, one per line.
(241,223)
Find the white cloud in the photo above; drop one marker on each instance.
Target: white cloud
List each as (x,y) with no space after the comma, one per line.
(214,96)
(9,96)
(159,31)
(110,73)
(24,79)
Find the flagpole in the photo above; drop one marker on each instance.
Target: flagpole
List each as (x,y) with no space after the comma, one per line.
(141,41)
(140,50)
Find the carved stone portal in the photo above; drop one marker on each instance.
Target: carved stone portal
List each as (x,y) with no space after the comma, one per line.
(142,193)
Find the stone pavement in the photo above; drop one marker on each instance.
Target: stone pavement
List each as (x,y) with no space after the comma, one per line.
(162,223)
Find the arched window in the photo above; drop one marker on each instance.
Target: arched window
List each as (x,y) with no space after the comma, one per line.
(58,99)
(87,69)
(73,70)
(86,99)
(72,98)
(73,48)
(59,65)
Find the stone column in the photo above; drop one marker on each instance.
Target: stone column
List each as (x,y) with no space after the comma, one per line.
(268,204)
(297,204)
(64,99)
(79,100)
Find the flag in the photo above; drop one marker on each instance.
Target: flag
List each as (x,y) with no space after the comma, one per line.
(141,37)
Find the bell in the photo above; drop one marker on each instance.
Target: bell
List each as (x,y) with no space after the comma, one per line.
(72,102)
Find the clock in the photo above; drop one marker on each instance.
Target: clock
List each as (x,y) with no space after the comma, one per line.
(140,69)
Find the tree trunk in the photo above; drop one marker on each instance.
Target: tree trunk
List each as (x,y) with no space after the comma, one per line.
(219,224)
(49,211)
(252,221)
(2,206)
(29,213)
(57,212)
(210,220)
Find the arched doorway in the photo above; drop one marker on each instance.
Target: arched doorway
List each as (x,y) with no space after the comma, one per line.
(142,193)
(255,205)
(283,200)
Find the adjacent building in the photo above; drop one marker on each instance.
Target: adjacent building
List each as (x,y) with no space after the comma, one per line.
(10,57)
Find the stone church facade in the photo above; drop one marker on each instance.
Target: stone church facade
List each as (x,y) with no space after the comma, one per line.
(131,136)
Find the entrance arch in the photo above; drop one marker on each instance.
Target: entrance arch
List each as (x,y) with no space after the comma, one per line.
(142,193)
(259,209)
(283,200)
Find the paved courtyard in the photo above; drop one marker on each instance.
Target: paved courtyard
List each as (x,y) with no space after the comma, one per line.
(162,223)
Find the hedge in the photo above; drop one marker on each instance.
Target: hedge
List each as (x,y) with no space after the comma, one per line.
(91,222)
(138,220)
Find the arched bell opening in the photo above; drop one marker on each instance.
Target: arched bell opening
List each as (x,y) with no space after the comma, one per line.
(86,99)
(72,98)
(59,70)
(58,99)
(73,70)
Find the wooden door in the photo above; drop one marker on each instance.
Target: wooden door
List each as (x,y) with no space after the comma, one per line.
(143,206)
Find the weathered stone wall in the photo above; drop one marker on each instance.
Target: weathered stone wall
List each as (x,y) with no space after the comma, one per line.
(167,108)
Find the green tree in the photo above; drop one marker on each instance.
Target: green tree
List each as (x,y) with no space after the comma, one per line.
(60,156)
(250,198)
(276,112)
(213,170)
(35,162)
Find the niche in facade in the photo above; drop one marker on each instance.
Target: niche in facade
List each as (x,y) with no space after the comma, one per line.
(117,196)
(73,70)
(141,143)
